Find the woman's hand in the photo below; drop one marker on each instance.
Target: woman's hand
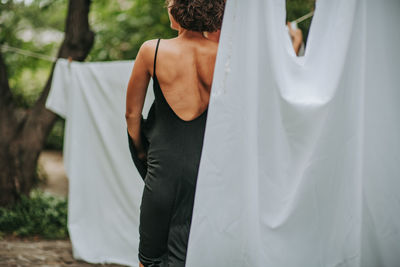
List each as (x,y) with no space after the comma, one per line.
(140,151)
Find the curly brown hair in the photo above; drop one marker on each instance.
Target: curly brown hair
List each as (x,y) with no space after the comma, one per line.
(198,15)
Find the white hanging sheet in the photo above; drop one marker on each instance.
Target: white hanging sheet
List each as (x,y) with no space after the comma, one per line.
(104,186)
(301,158)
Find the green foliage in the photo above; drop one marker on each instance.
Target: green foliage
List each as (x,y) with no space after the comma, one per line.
(27,88)
(37,27)
(55,140)
(122,26)
(38,215)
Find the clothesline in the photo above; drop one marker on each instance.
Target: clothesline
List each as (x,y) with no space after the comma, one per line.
(303,18)
(28,53)
(52,59)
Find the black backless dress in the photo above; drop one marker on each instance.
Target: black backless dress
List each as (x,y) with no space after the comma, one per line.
(170,173)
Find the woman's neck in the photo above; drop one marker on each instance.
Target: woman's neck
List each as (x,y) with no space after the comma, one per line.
(183,33)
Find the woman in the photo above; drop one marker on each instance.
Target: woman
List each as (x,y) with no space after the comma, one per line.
(169,143)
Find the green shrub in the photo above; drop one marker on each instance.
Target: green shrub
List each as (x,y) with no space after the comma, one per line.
(38,215)
(55,140)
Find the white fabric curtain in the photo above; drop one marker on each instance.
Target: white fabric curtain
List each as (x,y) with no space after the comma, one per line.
(301,160)
(104,186)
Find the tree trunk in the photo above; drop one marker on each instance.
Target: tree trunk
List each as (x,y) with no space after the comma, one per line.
(23,132)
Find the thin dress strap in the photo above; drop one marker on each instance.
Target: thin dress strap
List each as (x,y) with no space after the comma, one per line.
(155,58)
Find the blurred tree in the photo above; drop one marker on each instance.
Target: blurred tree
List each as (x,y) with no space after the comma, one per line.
(23,131)
(37,27)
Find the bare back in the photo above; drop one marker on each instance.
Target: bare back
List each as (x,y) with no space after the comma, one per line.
(184,69)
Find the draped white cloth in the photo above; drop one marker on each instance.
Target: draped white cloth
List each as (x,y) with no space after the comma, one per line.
(104,186)
(301,160)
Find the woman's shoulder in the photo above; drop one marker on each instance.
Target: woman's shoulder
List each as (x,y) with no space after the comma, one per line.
(148,46)
(147,51)
(151,44)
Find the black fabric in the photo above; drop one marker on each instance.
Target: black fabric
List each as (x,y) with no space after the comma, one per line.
(141,165)
(173,157)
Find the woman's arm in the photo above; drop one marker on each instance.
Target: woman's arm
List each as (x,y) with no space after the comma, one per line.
(297,38)
(136,93)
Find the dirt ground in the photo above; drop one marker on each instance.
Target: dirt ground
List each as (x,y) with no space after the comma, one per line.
(39,253)
(31,252)
(52,168)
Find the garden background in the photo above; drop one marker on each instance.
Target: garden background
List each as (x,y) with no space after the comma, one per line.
(29,212)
